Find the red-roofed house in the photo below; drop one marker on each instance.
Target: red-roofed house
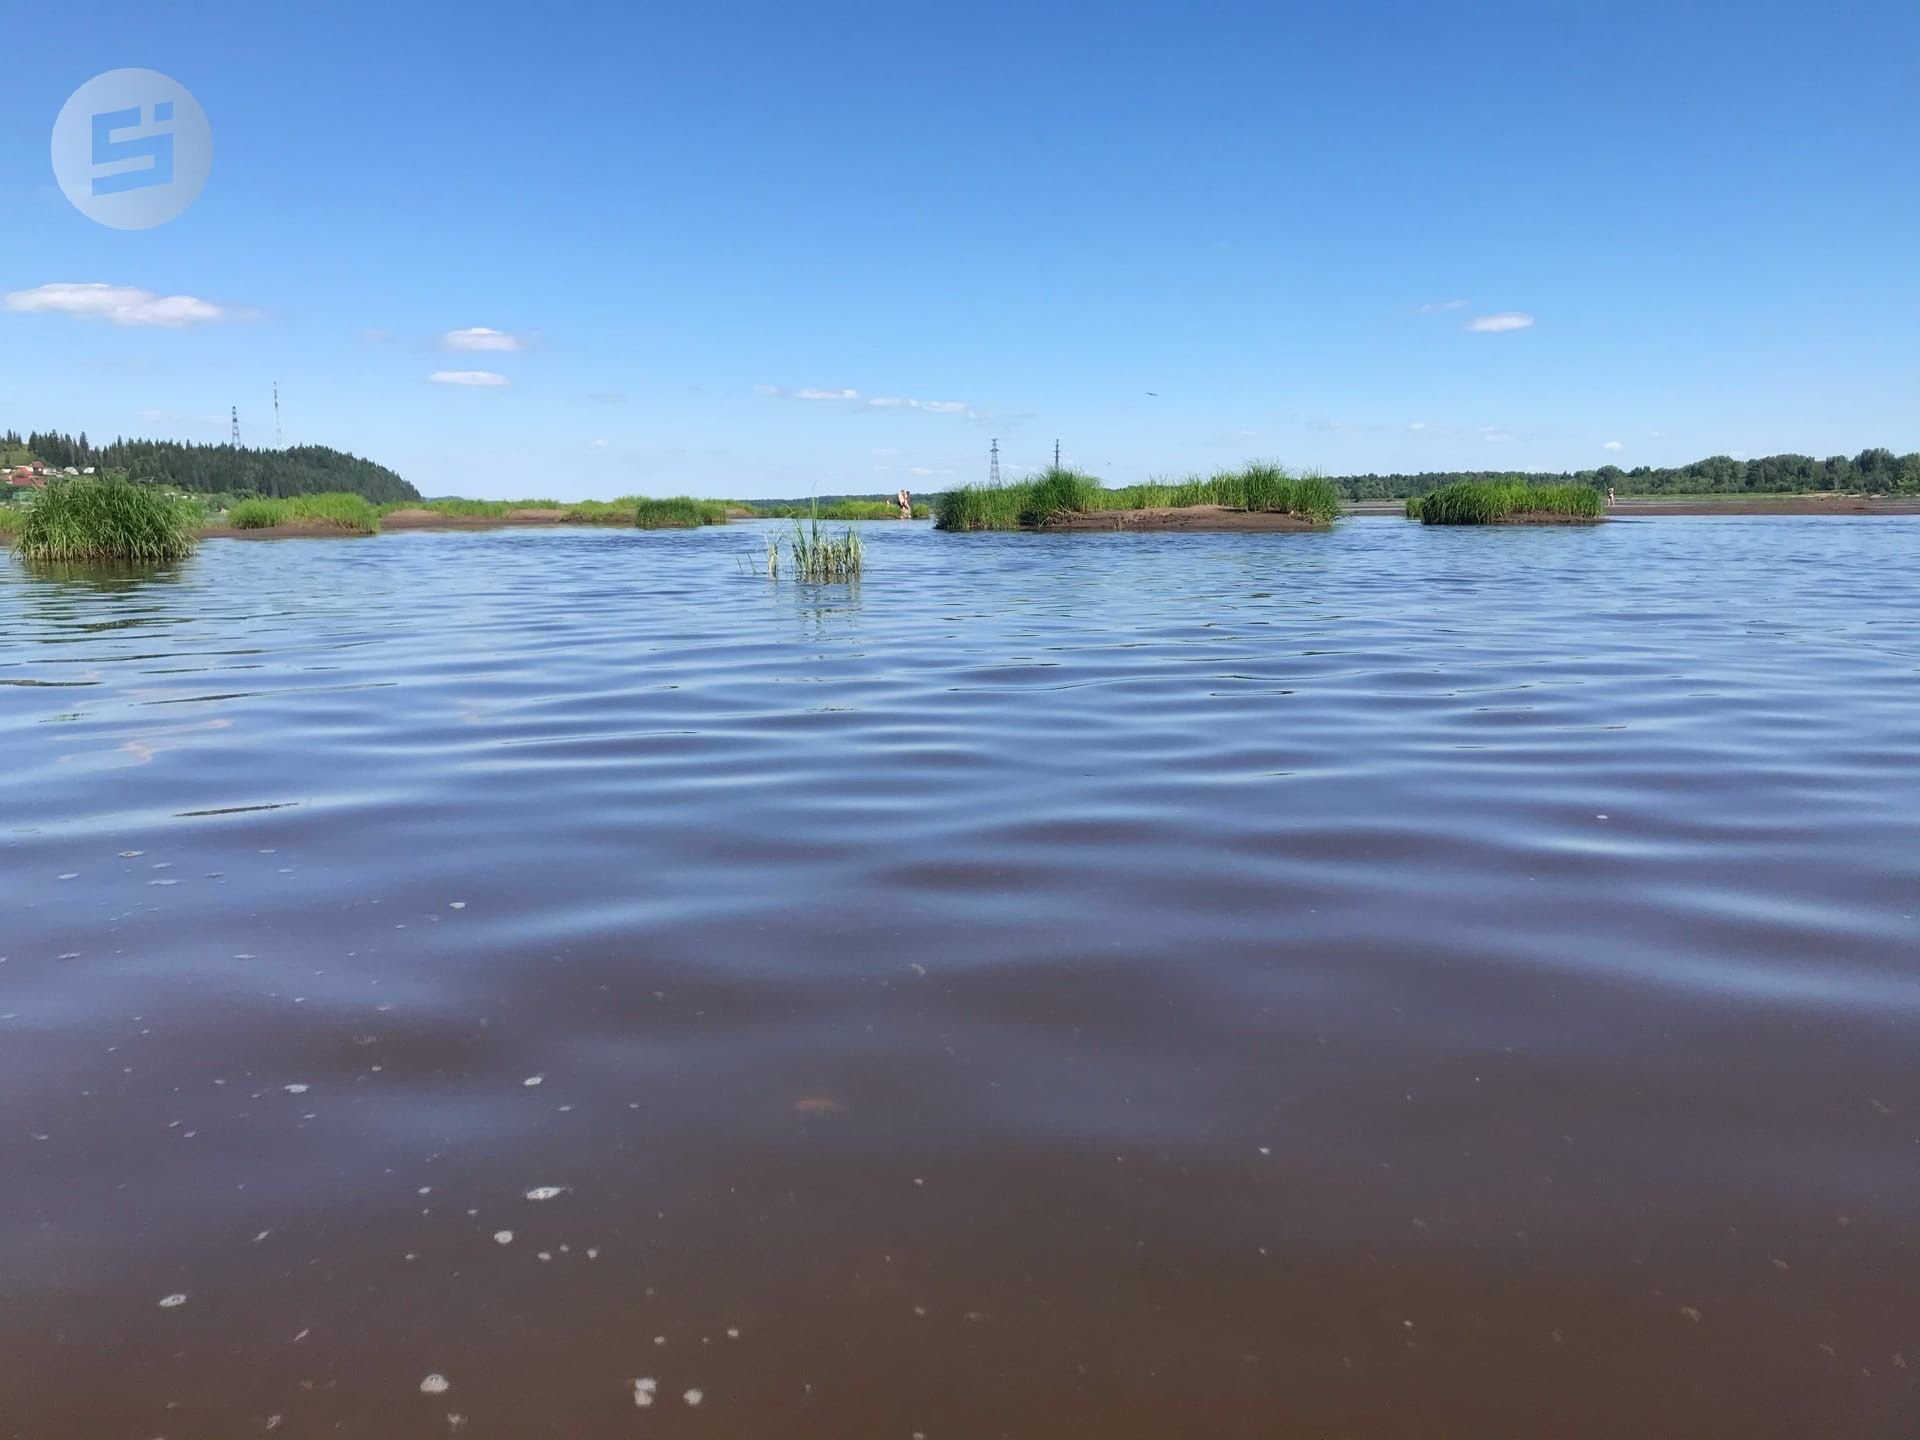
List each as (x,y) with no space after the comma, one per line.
(23,475)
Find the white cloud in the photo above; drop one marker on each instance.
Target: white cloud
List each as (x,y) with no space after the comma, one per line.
(1494,433)
(120,305)
(920,470)
(1505,320)
(1611,445)
(1435,305)
(885,451)
(375,337)
(599,444)
(479,337)
(467,377)
(869,402)
(1418,425)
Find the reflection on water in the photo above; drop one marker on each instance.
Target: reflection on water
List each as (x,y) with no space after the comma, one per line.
(1389,983)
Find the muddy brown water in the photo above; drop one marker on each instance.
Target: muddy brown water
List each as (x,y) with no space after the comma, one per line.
(1387,983)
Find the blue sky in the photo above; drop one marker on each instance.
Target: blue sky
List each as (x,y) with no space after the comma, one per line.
(701,225)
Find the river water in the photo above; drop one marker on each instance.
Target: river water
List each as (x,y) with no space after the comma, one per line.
(1391,983)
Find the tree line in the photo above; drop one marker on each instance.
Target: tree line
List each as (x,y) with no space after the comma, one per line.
(1872,472)
(218,469)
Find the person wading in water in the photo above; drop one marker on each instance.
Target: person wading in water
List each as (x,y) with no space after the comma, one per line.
(906,505)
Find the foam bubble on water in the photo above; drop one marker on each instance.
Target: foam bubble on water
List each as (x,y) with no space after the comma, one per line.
(172,1302)
(733,1332)
(131,854)
(71,875)
(503,1237)
(294,1089)
(533,1080)
(435,1385)
(644,1390)
(456,904)
(694,1397)
(545,1192)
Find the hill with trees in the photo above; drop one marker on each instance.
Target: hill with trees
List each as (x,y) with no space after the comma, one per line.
(218,469)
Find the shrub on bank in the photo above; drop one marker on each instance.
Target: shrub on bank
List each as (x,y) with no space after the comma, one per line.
(90,519)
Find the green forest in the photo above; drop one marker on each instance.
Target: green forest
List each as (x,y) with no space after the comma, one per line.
(1872,472)
(217,469)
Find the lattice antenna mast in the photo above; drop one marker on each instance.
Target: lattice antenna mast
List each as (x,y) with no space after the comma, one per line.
(993,466)
(235,440)
(1056,454)
(278,442)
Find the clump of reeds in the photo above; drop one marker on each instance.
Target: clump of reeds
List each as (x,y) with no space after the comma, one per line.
(819,556)
(257,514)
(979,507)
(1473,502)
(678,513)
(1413,507)
(92,519)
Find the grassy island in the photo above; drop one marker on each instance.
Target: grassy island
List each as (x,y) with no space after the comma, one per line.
(1067,499)
(1477,503)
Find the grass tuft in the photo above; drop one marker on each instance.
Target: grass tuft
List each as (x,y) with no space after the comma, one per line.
(1477,503)
(88,519)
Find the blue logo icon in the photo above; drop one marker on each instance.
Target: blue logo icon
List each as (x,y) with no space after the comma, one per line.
(156,149)
(132,149)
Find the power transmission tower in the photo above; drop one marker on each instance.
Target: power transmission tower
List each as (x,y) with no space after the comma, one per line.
(1056,454)
(993,468)
(236,428)
(278,443)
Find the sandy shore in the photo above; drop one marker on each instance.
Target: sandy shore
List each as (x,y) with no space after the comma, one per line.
(1188,517)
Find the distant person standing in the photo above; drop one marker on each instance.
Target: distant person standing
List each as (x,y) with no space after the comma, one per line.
(1609,495)
(906,505)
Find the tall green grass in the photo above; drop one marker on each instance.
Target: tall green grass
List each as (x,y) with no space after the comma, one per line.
(1258,487)
(678,513)
(87,519)
(477,509)
(1476,503)
(339,510)
(850,510)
